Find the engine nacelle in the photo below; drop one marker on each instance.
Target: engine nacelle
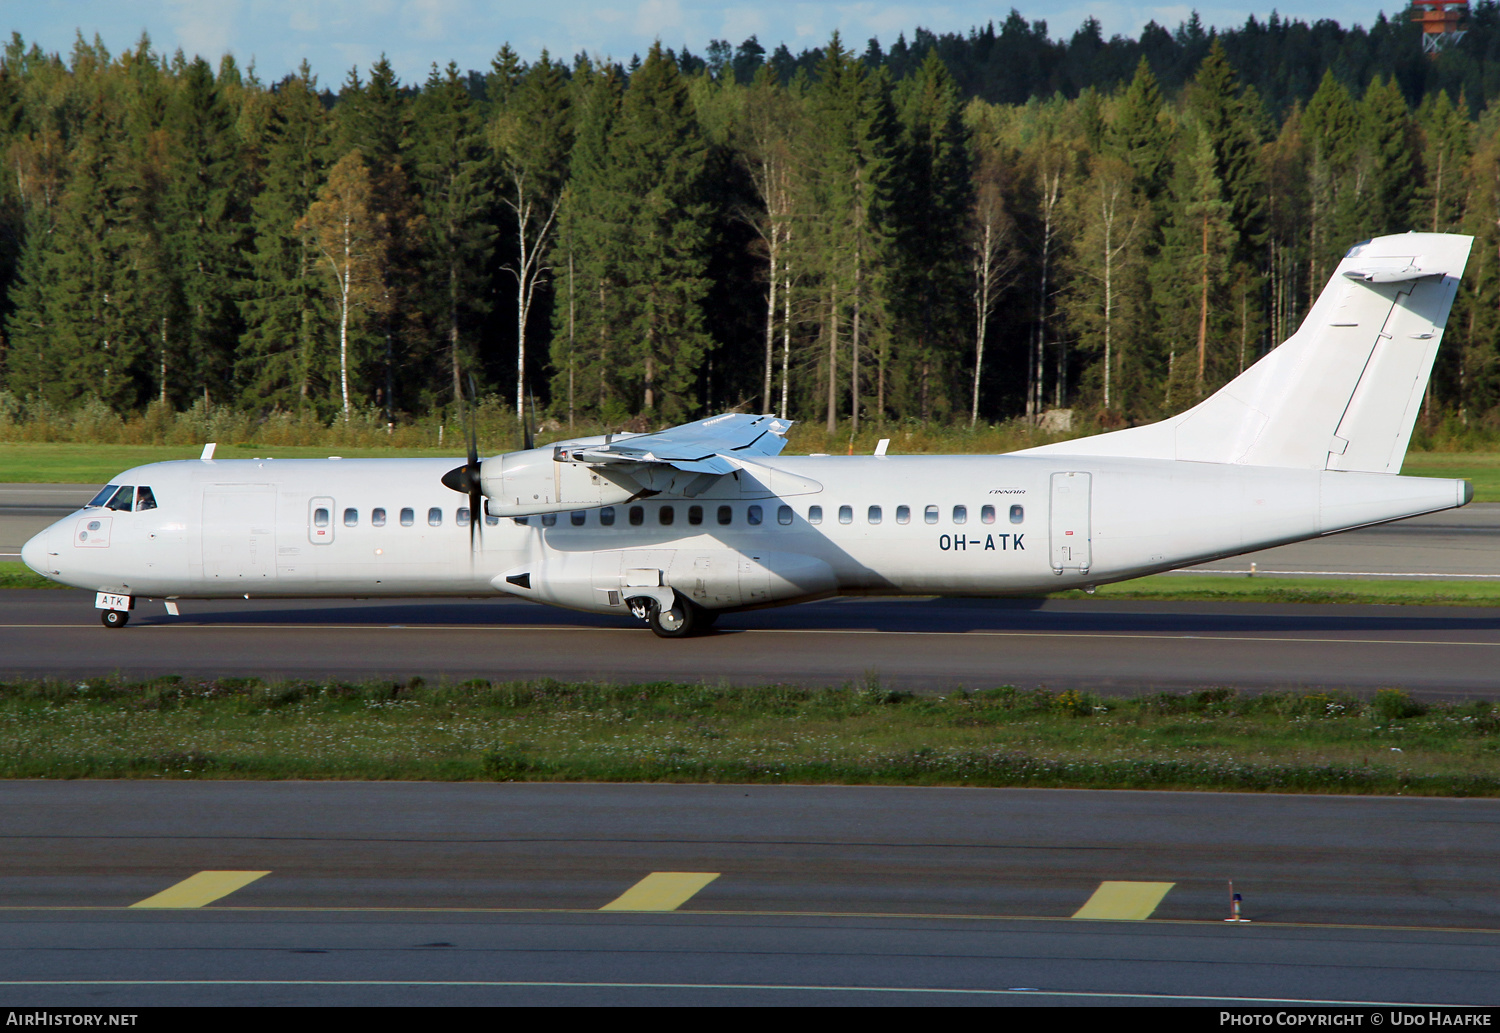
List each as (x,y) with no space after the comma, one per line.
(714,578)
(546,480)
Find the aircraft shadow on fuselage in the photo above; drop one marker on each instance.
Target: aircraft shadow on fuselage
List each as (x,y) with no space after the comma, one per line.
(869,614)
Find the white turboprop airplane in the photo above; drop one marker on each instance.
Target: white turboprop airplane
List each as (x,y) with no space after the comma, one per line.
(679,526)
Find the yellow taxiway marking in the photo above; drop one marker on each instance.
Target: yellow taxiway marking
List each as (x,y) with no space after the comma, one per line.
(661,891)
(198,890)
(1126,901)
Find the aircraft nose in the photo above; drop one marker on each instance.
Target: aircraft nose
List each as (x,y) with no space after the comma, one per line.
(34,553)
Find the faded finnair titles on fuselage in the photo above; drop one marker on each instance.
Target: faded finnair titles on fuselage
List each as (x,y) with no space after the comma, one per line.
(680,526)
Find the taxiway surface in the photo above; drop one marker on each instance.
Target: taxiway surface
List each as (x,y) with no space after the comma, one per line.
(492,893)
(915,644)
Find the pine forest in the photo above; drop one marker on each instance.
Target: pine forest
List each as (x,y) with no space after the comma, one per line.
(958,229)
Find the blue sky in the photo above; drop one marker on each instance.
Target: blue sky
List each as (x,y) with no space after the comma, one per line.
(334,35)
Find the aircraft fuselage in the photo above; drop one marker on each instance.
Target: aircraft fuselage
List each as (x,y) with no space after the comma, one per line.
(786,529)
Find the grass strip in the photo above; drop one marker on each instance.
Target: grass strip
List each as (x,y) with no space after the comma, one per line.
(19,575)
(1213,739)
(1265,588)
(62,462)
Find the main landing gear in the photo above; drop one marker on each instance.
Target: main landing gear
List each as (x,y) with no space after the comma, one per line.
(682,619)
(114,618)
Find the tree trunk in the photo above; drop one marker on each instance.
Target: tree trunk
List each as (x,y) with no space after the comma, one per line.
(765,396)
(1203,312)
(833,362)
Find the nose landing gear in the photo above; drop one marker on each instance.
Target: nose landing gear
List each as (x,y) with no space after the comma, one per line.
(114,618)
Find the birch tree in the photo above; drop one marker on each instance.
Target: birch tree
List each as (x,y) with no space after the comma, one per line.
(532,137)
(352,240)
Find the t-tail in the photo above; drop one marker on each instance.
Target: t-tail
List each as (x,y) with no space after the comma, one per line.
(1343,392)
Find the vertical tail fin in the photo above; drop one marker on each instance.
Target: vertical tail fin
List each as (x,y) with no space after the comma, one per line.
(1343,392)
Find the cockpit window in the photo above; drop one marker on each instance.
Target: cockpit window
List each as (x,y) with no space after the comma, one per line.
(144,499)
(124,499)
(105,494)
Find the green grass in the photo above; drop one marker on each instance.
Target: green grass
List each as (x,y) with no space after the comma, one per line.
(19,575)
(73,463)
(67,463)
(547,731)
(1482,468)
(1267,589)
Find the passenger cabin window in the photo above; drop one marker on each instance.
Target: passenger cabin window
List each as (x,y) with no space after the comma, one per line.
(726,515)
(637,516)
(960,514)
(846,514)
(814,514)
(320,517)
(607,516)
(123,499)
(377,517)
(144,500)
(783,514)
(105,494)
(578,517)
(930,514)
(753,515)
(408,517)
(1017,514)
(434,517)
(490,518)
(666,515)
(549,519)
(987,514)
(351,518)
(873,515)
(903,514)
(695,515)
(461,518)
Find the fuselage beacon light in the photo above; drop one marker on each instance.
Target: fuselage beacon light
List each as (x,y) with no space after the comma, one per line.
(680,526)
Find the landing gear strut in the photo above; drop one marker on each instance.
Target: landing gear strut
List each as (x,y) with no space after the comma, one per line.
(114,618)
(682,619)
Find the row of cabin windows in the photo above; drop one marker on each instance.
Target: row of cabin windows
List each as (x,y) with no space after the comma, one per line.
(666,516)
(122,498)
(408,517)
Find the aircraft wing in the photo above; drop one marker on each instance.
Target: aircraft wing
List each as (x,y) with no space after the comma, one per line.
(700,447)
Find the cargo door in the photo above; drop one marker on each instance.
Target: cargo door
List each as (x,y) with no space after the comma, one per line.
(239,533)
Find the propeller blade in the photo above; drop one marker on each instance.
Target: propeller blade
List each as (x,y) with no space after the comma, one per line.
(530,418)
(476,499)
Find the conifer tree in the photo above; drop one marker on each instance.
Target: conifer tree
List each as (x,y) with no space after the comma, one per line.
(849,158)
(285,316)
(454,173)
(206,214)
(1386,158)
(930,200)
(587,349)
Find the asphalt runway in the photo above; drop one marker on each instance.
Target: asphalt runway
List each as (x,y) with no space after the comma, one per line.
(521,893)
(918,644)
